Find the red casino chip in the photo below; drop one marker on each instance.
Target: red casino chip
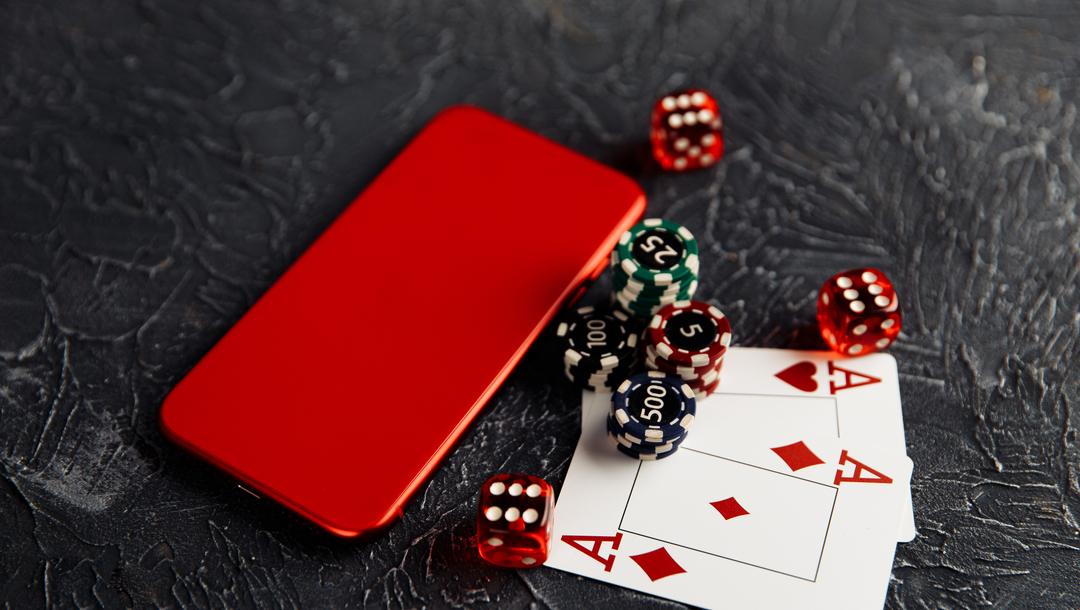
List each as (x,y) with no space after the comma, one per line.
(689,333)
(703,390)
(688,373)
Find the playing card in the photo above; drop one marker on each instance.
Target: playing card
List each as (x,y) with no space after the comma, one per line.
(811,393)
(857,397)
(800,523)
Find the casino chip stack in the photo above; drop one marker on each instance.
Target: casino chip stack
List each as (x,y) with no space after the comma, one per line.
(600,348)
(689,339)
(651,414)
(655,263)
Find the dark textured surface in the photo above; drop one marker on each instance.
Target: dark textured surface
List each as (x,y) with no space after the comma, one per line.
(161,163)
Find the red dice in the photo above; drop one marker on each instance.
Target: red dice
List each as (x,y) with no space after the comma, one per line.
(858,312)
(687,132)
(514,525)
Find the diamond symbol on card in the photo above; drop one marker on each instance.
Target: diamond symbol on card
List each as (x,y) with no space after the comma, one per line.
(729,508)
(797,456)
(657,564)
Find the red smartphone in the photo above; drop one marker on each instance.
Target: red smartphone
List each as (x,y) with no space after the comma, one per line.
(343,387)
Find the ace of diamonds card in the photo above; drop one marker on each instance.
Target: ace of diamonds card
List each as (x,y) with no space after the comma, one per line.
(791,490)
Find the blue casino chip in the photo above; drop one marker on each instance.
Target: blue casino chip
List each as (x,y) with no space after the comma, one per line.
(653,406)
(621,435)
(644,456)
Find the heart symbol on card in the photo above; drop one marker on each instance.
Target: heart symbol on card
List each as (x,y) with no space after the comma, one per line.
(800,376)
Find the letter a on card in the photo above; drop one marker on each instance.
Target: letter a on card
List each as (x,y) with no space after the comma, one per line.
(852,379)
(597,543)
(860,473)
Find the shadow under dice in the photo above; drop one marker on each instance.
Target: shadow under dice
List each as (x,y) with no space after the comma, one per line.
(858,312)
(515,518)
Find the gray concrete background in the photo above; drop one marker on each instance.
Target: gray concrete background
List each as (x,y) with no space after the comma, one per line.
(162,162)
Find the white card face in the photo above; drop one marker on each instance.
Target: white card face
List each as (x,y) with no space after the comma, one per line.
(751,511)
(800,388)
(703,486)
(809,393)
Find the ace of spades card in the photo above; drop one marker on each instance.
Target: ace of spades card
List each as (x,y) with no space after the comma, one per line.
(786,493)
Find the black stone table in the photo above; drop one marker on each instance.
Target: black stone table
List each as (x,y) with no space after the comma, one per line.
(162,162)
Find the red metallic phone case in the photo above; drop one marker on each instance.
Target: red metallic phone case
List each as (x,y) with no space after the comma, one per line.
(343,387)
